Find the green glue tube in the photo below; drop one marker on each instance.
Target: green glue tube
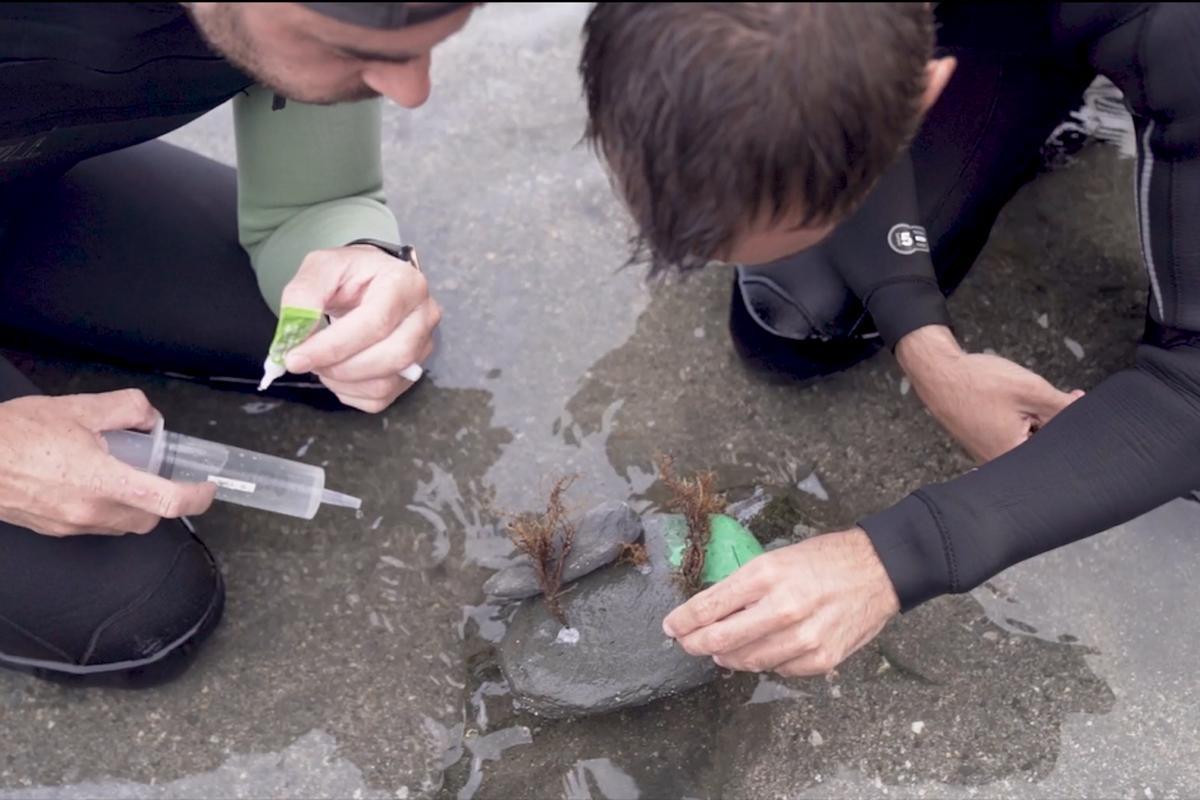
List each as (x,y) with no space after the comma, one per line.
(295,325)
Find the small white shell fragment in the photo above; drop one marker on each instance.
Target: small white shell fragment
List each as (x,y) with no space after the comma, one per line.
(812,485)
(568,636)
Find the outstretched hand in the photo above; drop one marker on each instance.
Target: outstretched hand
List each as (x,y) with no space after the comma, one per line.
(799,610)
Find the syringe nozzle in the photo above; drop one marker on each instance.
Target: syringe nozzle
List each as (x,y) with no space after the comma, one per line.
(332,498)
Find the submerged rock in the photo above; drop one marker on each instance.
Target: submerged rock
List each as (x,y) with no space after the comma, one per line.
(621,657)
(599,536)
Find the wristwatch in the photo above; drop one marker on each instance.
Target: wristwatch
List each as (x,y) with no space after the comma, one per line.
(404,252)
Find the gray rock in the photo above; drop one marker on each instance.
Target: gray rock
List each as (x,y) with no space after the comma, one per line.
(599,535)
(621,657)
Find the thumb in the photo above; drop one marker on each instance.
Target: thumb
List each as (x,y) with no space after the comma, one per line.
(316,282)
(1045,401)
(113,411)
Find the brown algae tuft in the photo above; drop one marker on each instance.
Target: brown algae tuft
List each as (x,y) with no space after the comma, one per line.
(697,500)
(546,537)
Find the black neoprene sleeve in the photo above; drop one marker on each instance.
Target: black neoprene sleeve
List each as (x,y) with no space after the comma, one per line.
(1129,445)
(884,258)
(1133,442)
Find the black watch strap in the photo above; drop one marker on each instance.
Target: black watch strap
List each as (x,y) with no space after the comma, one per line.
(404,252)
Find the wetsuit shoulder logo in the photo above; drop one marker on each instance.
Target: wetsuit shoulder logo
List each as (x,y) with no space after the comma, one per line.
(907,239)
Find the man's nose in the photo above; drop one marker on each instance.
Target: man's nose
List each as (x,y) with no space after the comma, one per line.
(406,84)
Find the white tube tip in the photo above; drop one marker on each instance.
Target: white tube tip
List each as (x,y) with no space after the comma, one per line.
(332,498)
(271,371)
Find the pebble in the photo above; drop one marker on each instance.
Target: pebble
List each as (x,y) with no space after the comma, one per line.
(918,727)
(812,485)
(1075,347)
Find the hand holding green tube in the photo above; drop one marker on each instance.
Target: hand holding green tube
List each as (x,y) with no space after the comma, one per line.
(382,324)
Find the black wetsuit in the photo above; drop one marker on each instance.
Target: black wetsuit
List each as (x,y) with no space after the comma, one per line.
(1133,442)
(125,250)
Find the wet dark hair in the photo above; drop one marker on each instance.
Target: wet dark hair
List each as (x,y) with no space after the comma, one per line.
(711,114)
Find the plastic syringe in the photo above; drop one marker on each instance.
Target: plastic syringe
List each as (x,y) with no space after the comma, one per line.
(243,477)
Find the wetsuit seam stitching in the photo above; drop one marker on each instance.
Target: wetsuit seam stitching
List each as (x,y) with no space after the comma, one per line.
(947,548)
(1169,237)
(137,603)
(35,638)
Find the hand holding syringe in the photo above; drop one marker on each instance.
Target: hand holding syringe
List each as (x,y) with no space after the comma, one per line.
(382,329)
(243,477)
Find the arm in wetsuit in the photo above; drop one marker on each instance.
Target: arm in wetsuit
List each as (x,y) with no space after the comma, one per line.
(309,177)
(1133,442)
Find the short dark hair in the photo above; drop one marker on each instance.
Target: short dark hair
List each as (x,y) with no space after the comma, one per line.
(711,114)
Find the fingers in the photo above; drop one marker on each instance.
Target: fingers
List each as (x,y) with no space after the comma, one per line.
(112,411)
(805,666)
(154,495)
(387,300)
(319,279)
(1044,401)
(126,519)
(371,396)
(374,394)
(739,590)
(406,345)
(737,631)
(1004,441)
(769,652)
(94,519)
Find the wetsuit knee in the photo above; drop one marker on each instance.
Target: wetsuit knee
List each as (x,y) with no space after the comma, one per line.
(127,610)
(796,318)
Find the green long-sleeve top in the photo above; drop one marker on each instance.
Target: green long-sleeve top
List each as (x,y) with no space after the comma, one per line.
(309,178)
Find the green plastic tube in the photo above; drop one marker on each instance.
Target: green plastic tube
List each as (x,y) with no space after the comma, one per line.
(295,325)
(729,547)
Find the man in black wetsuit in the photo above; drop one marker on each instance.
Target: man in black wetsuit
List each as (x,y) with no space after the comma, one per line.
(852,167)
(134,251)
